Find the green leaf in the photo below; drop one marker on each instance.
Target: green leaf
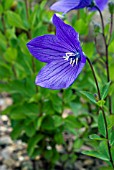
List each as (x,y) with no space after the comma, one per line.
(111,121)
(56,102)
(39,122)
(58,121)
(48,123)
(96,137)
(68,96)
(106,168)
(33,142)
(81,26)
(103,149)
(7,4)
(96,155)
(10,55)
(77,144)
(101,103)
(20,110)
(105,89)
(33,16)
(15,20)
(88,95)
(59,138)
(3,42)
(112,138)
(112,152)
(1,9)
(101,124)
(48,154)
(17,130)
(88,49)
(73,122)
(30,129)
(5,72)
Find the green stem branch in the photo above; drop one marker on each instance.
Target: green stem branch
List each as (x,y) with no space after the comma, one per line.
(104,116)
(106,53)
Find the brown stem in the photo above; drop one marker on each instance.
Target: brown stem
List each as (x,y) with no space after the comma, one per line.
(106,51)
(98,90)
(14,71)
(111,27)
(104,116)
(27,8)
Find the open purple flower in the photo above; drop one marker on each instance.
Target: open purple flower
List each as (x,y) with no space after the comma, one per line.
(67,5)
(62,53)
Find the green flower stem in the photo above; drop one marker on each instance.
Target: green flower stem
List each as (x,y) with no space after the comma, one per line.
(104,116)
(111,27)
(106,52)
(27,8)
(3,23)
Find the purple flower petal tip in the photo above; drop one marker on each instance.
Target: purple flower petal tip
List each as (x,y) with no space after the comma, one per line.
(67,5)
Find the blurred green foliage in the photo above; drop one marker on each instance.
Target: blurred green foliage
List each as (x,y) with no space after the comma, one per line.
(50,119)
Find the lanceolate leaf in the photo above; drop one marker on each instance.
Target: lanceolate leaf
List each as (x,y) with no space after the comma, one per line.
(89,96)
(105,89)
(96,137)
(101,125)
(15,20)
(96,155)
(33,142)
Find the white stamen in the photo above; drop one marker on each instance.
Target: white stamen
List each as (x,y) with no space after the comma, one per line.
(69,55)
(76,61)
(66,57)
(71,61)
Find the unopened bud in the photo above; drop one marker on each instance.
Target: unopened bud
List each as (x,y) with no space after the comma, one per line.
(111,7)
(96,97)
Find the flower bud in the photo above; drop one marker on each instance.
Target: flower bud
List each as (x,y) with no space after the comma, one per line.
(111,7)
(96,97)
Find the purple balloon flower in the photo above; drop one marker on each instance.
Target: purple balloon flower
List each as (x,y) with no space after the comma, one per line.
(62,53)
(67,5)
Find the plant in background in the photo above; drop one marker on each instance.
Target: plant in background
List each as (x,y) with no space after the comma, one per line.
(39,115)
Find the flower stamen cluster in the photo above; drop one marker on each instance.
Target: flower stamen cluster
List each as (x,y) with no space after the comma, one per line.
(73,57)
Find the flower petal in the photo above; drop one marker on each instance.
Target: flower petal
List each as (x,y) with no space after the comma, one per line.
(67,5)
(58,75)
(101,4)
(50,47)
(66,34)
(64,5)
(46,48)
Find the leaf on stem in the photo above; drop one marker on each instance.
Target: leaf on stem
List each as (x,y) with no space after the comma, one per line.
(101,125)
(104,90)
(89,96)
